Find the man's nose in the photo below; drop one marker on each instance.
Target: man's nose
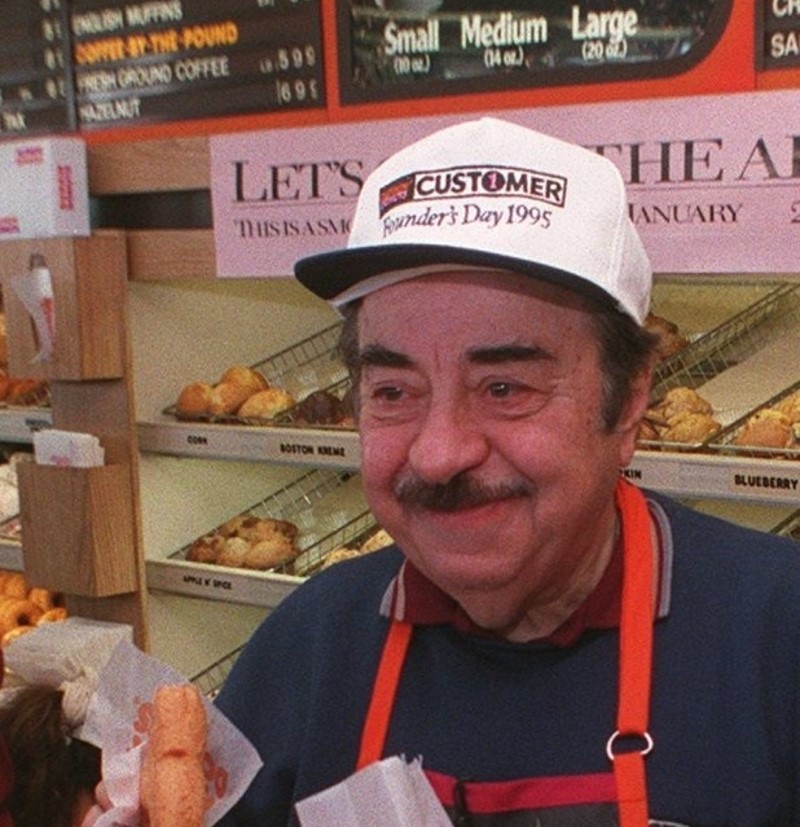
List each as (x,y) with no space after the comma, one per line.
(449,440)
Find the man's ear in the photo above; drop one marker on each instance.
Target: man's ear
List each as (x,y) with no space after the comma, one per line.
(634,411)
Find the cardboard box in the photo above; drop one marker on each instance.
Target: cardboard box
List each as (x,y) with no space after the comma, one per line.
(44,190)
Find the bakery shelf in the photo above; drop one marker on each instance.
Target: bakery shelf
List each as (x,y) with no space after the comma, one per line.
(707,475)
(326,447)
(309,365)
(11,555)
(329,510)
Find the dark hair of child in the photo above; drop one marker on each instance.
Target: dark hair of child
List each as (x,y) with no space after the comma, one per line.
(54,774)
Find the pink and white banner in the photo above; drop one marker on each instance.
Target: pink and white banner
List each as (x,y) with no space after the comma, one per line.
(713,182)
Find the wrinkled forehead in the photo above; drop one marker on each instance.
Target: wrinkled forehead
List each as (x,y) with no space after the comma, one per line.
(477,290)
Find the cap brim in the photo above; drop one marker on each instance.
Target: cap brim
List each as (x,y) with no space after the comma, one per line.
(339,273)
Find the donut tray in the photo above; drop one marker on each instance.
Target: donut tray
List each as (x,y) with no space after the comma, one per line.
(328,509)
(738,365)
(724,442)
(308,365)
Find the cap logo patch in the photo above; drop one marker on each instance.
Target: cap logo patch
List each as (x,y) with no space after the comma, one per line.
(471,181)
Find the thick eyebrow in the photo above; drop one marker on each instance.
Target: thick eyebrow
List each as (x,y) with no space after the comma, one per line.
(382,356)
(507,353)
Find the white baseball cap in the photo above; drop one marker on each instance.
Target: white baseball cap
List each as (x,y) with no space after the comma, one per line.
(492,195)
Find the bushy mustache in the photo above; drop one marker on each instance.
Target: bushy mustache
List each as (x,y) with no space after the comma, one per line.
(462,491)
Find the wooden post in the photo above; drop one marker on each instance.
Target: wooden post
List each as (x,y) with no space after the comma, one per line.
(81,528)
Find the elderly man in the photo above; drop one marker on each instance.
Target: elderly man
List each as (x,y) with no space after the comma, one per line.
(558,647)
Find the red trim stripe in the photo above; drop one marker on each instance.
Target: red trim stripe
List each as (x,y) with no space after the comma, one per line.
(527,793)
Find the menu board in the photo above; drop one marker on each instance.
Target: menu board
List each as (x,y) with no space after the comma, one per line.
(171,60)
(416,48)
(35,71)
(778,34)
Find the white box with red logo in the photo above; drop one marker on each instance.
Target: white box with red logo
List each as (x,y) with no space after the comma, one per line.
(44,190)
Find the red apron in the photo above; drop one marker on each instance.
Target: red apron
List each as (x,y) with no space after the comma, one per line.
(636,644)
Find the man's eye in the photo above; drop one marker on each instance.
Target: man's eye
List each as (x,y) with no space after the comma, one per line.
(387,394)
(501,390)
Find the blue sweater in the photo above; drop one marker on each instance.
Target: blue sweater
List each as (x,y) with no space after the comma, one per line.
(724,712)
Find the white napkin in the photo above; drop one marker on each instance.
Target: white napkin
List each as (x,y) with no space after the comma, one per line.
(388,793)
(71,449)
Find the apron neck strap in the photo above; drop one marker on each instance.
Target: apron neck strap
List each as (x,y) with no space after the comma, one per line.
(636,656)
(387,680)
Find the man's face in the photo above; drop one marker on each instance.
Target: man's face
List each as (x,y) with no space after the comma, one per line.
(484,453)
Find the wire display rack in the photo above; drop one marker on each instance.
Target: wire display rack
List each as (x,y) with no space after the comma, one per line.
(210,680)
(311,364)
(756,328)
(328,508)
(790,527)
(726,441)
(731,341)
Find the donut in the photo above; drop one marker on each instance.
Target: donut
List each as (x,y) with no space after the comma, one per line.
(339,554)
(669,338)
(267,554)
(23,391)
(54,615)
(205,549)
(15,585)
(266,404)
(18,612)
(172,788)
(790,407)
(245,377)
(767,428)
(232,552)
(194,399)
(320,408)
(379,539)
(683,399)
(43,598)
(227,397)
(690,427)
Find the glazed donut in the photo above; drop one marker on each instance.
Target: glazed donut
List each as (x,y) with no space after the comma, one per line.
(43,598)
(172,787)
(54,615)
(18,611)
(15,585)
